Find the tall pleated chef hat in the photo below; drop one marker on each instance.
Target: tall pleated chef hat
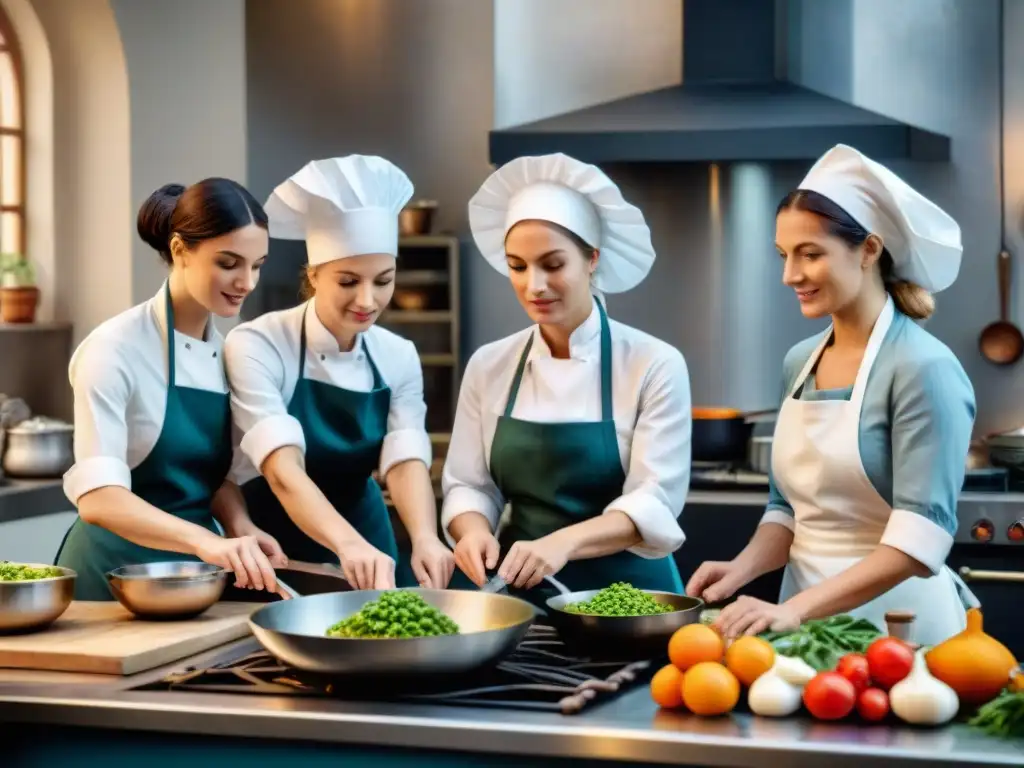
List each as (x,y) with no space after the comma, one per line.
(342,207)
(577,196)
(923,240)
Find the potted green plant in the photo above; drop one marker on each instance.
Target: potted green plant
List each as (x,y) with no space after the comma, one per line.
(19,295)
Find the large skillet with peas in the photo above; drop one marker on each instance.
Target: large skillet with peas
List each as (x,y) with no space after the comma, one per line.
(621,620)
(394,632)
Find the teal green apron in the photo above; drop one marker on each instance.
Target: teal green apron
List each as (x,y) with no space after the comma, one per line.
(180,475)
(555,475)
(344,432)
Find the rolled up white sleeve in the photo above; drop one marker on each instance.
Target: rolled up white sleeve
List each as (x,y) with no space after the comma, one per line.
(466,481)
(102,385)
(658,476)
(407,438)
(256,373)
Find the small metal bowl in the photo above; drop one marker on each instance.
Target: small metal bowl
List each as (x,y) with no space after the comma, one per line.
(28,606)
(170,590)
(630,636)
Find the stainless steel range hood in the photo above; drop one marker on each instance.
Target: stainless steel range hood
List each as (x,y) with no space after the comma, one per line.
(730,107)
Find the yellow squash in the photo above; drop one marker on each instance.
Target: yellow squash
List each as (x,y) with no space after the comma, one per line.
(974,664)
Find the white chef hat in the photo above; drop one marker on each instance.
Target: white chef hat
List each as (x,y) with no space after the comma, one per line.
(574,195)
(923,240)
(342,207)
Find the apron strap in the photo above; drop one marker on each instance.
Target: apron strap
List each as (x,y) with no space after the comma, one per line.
(607,412)
(513,390)
(302,345)
(378,380)
(169,313)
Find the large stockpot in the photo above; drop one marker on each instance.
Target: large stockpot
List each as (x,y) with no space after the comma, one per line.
(722,435)
(39,447)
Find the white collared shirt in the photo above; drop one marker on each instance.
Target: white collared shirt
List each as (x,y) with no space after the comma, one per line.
(119,378)
(262,358)
(652,413)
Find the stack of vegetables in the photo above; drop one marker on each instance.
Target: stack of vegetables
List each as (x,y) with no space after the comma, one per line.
(841,665)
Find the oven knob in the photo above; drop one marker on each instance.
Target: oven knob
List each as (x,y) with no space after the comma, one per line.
(983,531)
(1016,531)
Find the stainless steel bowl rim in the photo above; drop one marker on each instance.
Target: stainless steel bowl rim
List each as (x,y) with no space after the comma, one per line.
(211,572)
(575,597)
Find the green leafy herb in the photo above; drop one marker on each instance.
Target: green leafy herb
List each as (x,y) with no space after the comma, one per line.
(821,643)
(18,572)
(393,615)
(1003,716)
(620,599)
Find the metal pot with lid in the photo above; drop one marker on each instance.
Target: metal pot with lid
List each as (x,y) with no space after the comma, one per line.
(39,447)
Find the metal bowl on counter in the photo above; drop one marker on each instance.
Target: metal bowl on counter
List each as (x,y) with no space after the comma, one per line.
(168,590)
(490,625)
(630,636)
(28,606)
(39,447)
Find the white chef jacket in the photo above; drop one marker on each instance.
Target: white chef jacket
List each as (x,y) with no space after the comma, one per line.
(652,414)
(119,378)
(262,358)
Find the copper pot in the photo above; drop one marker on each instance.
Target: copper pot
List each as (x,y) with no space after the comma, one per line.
(416,218)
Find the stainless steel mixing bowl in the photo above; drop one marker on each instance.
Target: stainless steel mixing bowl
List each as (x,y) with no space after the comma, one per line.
(490,627)
(631,636)
(27,606)
(169,590)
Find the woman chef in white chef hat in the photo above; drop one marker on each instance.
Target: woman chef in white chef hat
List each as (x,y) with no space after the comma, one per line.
(323,397)
(580,423)
(872,437)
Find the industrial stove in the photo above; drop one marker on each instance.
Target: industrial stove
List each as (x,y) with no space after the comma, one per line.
(541,674)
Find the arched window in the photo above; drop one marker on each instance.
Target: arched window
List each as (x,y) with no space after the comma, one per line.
(12,142)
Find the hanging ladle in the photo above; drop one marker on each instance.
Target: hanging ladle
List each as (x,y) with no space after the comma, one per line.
(1001,342)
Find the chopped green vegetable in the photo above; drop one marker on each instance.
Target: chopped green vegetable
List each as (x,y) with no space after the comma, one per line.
(710,616)
(393,615)
(822,642)
(18,572)
(620,599)
(1003,716)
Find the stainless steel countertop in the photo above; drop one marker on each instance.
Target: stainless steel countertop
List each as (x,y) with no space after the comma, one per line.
(20,499)
(629,727)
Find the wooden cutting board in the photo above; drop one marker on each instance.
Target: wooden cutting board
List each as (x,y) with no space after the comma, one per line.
(104,638)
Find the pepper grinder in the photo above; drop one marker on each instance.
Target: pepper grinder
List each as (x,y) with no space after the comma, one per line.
(900,625)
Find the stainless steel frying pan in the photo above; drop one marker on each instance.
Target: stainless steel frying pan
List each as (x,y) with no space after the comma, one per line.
(491,626)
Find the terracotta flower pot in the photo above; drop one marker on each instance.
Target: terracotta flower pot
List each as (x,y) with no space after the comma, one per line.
(18,305)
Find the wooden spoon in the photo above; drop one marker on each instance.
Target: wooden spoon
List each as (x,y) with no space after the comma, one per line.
(1001,342)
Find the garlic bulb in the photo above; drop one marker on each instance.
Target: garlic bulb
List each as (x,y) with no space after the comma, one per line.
(794,670)
(922,699)
(777,693)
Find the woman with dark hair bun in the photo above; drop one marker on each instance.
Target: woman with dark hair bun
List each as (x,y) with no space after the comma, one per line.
(872,436)
(153,438)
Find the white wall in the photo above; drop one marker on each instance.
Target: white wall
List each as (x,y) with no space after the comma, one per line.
(553,56)
(91,202)
(186,77)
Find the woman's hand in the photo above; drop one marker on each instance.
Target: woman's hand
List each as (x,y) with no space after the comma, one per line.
(243,556)
(365,566)
(268,544)
(716,580)
(432,562)
(476,553)
(528,562)
(750,616)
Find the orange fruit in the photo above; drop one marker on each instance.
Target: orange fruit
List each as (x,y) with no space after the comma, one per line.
(693,644)
(749,657)
(667,687)
(710,689)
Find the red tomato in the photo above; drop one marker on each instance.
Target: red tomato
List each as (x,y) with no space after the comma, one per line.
(889,661)
(873,704)
(829,696)
(854,667)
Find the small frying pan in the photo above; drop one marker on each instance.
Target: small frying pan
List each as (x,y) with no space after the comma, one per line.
(1001,342)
